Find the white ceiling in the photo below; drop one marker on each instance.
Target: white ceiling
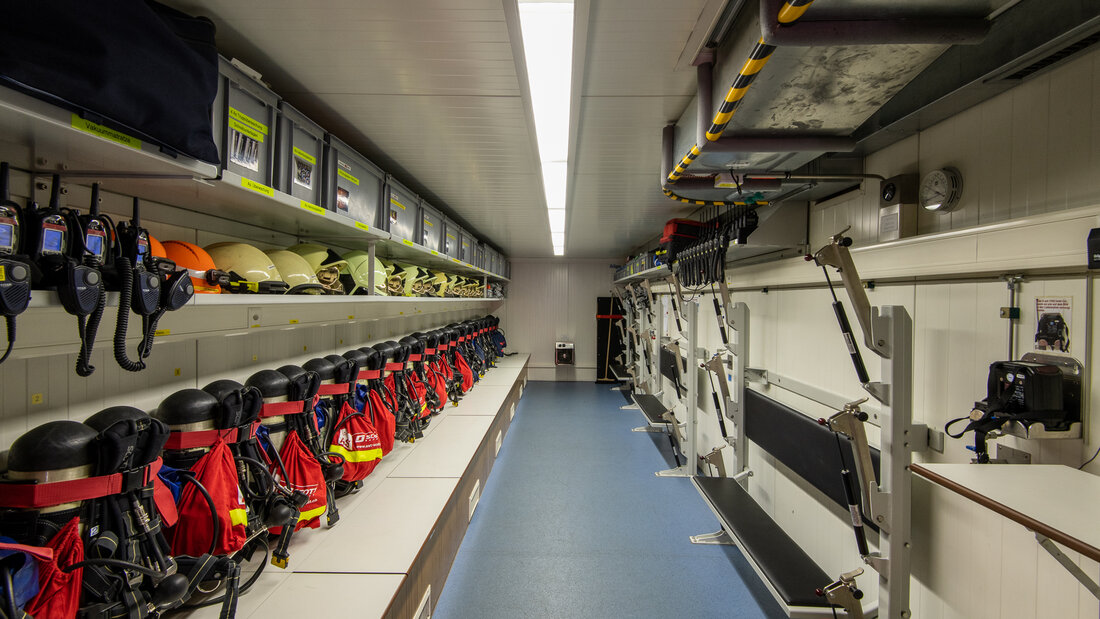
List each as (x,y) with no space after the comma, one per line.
(435,92)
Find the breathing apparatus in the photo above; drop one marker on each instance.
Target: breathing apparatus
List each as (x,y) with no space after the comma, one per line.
(407,417)
(371,395)
(275,504)
(448,342)
(416,381)
(15,271)
(96,484)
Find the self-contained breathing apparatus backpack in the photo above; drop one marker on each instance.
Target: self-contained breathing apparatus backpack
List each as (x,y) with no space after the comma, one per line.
(346,431)
(91,493)
(408,408)
(291,444)
(426,400)
(370,395)
(429,370)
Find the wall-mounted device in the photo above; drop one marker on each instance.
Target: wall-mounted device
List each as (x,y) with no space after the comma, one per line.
(941,190)
(563,353)
(897,212)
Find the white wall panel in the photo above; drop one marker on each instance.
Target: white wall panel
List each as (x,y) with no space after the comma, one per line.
(555,300)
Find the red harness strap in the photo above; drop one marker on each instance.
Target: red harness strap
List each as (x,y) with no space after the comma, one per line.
(274,409)
(34,496)
(395,367)
(414,357)
(429,351)
(335,389)
(207,438)
(369,374)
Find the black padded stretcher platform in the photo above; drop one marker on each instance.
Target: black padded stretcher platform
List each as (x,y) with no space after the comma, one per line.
(620,371)
(651,407)
(789,570)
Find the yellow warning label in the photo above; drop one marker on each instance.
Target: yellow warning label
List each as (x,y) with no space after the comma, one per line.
(350,317)
(248,183)
(435,253)
(348,176)
(245,119)
(456,260)
(246,130)
(160,332)
(118,137)
(362,226)
(293,321)
(311,207)
(3,276)
(395,202)
(304,156)
(407,242)
(36,398)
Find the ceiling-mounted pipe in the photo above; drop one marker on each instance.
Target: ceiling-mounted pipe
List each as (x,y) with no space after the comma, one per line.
(787,176)
(668,136)
(791,11)
(914,31)
(704,99)
(781,144)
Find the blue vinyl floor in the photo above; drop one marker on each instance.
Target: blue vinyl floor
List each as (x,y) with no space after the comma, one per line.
(573,523)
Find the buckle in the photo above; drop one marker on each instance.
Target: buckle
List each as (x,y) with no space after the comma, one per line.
(133,479)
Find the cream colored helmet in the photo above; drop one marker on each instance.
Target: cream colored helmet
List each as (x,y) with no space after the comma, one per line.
(296,272)
(249,269)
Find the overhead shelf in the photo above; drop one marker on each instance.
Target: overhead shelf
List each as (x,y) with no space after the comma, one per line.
(55,140)
(217,315)
(736,255)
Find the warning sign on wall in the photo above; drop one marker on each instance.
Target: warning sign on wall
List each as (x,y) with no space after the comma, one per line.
(1053,316)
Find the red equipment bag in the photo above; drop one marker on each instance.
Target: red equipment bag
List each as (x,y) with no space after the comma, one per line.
(357,440)
(217,472)
(384,421)
(306,477)
(439,384)
(464,369)
(58,590)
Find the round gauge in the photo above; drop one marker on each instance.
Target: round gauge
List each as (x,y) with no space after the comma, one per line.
(941,190)
(889,190)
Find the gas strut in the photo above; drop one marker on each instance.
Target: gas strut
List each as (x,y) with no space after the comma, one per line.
(836,255)
(15,272)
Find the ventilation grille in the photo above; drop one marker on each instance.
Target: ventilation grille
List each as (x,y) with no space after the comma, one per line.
(1055,57)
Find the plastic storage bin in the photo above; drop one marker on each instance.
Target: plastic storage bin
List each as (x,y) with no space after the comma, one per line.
(431,228)
(353,185)
(245,114)
(402,210)
(452,234)
(479,256)
(299,153)
(466,244)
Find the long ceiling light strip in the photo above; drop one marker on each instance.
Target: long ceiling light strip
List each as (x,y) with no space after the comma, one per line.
(547,29)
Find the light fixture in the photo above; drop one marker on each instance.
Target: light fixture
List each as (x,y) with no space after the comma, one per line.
(547,29)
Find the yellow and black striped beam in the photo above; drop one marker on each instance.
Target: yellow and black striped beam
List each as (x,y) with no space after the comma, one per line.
(678,198)
(791,11)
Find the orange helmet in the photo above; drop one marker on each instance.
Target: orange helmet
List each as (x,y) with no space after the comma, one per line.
(196,261)
(156,248)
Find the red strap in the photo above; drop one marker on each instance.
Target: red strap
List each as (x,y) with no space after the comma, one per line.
(429,351)
(609,316)
(369,374)
(414,357)
(443,346)
(199,438)
(34,496)
(336,389)
(395,367)
(274,409)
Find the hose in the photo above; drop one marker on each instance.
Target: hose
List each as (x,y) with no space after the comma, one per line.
(10,320)
(87,334)
(126,273)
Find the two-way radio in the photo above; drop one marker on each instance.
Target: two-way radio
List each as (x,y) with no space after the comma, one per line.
(15,272)
(89,249)
(139,287)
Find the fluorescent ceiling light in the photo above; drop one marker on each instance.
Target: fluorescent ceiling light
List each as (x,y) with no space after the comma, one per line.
(547,29)
(557,219)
